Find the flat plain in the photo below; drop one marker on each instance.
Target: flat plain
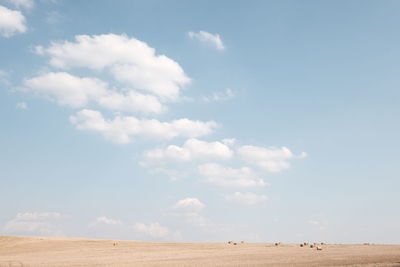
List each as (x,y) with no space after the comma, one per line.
(45,251)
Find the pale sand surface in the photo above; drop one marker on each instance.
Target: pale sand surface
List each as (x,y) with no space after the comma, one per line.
(38,251)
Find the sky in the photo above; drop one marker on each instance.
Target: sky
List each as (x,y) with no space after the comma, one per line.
(201,121)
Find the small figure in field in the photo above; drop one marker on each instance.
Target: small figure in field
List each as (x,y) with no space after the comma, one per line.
(115,243)
(319,248)
(311,245)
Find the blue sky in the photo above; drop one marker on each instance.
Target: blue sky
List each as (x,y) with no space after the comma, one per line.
(200,121)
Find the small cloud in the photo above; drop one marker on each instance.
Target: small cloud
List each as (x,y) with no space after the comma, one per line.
(245,198)
(103,220)
(21,105)
(303,155)
(41,223)
(27,4)
(230,177)
(270,159)
(53,17)
(4,78)
(152,229)
(209,38)
(219,96)
(189,211)
(189,205)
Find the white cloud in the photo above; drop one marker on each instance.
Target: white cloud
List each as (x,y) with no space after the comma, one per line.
(43,223)
(229,141)
(67,89)
(189,205)
(152,229)
(189,210)
(105,221)
(21,105)
(28,4)
(122,128)
(76,92)
(230,177)
(209,38)
(128,59)
(192,149)
(245,198)
(11,22)
(219,96)
(131,101)
(270,159)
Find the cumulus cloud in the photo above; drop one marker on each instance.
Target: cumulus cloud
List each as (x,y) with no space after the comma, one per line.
(245,198)
(189,205)
(208,38)
(173,161)
(189,210)
(129,60)
(66,89)
(152,229)
(122,128)
(11,22)
(103,220)
(77,92)
(230,177)
(269,159)
(192,149)
(43,223)
(131,101)
(28,4)
(219,96)
(21,105)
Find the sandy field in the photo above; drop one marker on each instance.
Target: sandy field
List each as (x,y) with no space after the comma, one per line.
(41,251)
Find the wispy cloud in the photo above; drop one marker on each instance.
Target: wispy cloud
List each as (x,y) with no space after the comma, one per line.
(21,105)
(103,220)
(208,38)
(152,229)
(43,223)
(219,96)
(245,198)
(27,4)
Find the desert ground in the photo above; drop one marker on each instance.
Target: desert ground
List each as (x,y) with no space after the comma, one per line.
(45,251)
